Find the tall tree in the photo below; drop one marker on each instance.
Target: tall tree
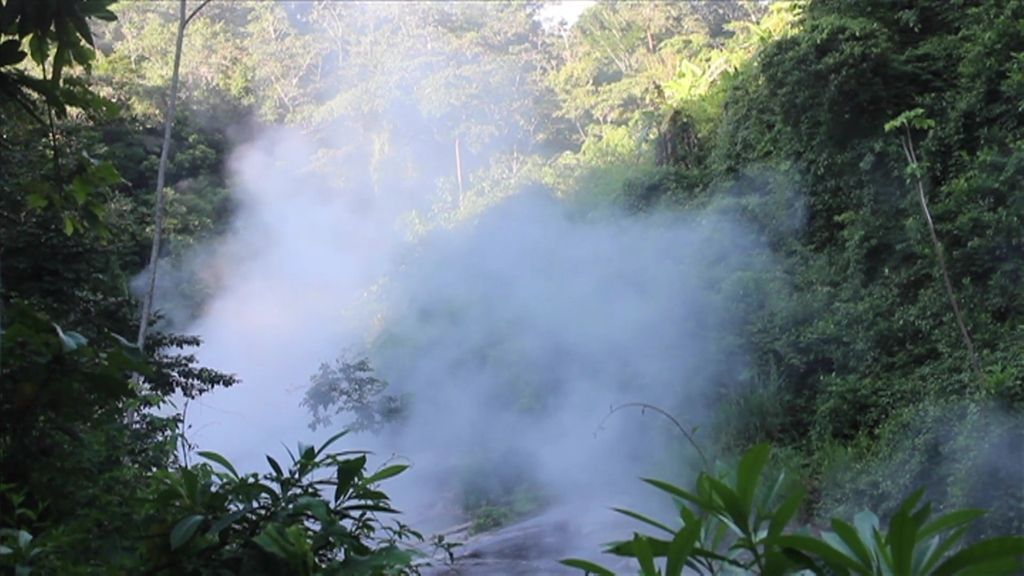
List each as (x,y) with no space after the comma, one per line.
(184,17)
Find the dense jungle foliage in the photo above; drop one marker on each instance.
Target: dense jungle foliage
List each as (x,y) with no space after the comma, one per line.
(838,129)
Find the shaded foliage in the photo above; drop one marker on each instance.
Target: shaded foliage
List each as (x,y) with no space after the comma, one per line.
(738,521)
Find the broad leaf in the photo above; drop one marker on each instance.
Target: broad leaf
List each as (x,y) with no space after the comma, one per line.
(185,529)
(214,457)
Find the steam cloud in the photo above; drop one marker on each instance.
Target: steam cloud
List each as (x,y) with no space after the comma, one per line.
(513,334)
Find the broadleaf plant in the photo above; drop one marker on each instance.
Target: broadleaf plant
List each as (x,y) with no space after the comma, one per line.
(740,523)
(318,516)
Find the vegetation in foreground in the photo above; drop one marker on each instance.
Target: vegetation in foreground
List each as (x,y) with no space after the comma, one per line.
(741,521)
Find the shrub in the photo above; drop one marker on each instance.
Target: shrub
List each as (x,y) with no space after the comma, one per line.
(318,517)
(739,522)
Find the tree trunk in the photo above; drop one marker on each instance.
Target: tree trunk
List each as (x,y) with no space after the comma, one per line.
(161,176)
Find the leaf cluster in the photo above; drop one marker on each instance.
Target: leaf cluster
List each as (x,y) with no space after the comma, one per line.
(57,33)
(320,515)
(741,523)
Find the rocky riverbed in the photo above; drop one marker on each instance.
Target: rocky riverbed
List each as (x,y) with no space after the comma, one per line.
(534,547)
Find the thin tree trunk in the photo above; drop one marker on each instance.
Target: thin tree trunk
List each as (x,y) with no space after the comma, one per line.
(161,173)
(908,150)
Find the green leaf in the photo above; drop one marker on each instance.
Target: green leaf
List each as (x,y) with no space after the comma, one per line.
(950,521)
(902,534)
(588,567)
(330,441)
(80,189)
(348,471)
(214,457)
(849,536)
(274,540)
(644,519)
(734,508)
(315,506)
(81,26)
(61,59)
(677,492)
(644,556)
(991,550)
(785,512)
(267,491)
(387,472)
(939,552)
(867,523)
(817,548)
(185,529)
(105,174)
(914,118)
(39,48)
(225,521)
(37,201)
(98,210)
(680,548)
(189,485)
(275,466)
(748,474)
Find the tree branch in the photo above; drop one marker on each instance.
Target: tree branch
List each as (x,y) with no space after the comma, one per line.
(643,406)
(196,11)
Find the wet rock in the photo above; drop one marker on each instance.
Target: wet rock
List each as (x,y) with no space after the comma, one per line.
(533,547)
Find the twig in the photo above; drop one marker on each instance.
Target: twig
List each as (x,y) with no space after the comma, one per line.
(196,11)
(55,148)
(186,446)
(644,407)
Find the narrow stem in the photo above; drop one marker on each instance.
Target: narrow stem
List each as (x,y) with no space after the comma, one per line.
(196,11)
(644,407)
(54,147)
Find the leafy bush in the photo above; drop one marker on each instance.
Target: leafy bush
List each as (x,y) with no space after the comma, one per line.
(320,516)
(739,523)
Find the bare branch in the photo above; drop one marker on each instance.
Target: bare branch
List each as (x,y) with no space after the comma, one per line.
(643,406)
(196,11)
